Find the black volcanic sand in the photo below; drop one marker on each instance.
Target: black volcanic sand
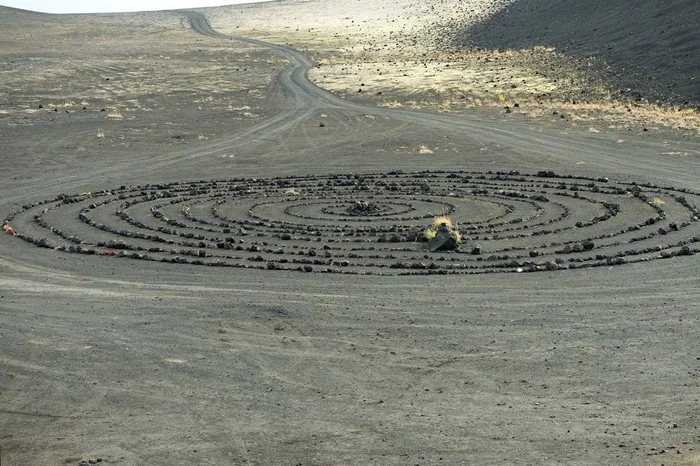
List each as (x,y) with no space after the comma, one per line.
(646,49)
(133,330)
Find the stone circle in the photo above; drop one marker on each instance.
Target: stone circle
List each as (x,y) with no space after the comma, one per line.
(510,222)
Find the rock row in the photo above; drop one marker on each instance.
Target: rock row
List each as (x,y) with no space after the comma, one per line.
(373,223)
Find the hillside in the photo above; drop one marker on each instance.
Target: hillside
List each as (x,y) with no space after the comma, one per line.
(647,49)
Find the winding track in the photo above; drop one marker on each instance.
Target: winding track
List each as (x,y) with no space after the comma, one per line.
(517,143)
(596,151)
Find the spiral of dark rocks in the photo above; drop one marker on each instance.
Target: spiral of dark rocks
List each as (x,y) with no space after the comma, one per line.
(509,221)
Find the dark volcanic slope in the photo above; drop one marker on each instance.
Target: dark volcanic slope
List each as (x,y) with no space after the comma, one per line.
(652,47)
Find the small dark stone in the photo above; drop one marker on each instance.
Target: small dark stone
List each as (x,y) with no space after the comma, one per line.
(588,245)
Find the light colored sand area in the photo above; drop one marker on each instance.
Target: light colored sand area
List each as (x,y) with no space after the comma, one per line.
(399,52)
(359,26)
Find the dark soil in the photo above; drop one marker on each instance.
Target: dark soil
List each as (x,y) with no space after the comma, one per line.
(645,49)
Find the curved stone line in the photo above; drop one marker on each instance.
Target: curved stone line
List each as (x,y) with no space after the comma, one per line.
(571,222)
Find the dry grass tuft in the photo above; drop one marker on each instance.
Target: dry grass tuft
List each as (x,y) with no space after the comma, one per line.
(443,219)
(432,230)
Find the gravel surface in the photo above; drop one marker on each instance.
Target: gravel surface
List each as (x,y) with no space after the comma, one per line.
(109,358)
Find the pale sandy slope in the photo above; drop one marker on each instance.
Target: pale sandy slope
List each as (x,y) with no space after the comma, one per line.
(452,55)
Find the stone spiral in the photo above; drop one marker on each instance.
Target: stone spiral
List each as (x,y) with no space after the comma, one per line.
(510,222)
